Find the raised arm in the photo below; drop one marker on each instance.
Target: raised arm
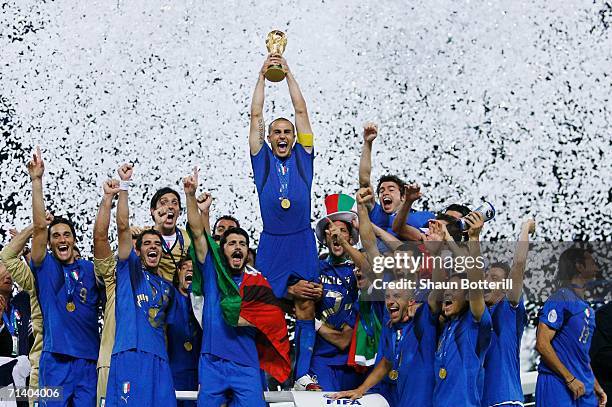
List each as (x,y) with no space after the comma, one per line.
(10,255)
(36,168)
(370,131)
(437,231)
(517,272)
(257,132)
(364,197)
(102,248)
(190,185)
(475,273)
(123,213)
(302,121)
(412,193)
(204,202)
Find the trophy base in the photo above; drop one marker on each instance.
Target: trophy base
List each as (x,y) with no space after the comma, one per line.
(275,74)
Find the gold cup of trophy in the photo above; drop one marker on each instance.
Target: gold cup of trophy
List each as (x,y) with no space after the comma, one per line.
(276,41)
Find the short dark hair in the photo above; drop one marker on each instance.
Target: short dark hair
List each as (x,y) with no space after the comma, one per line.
(567,264)
(148,232)
(161,192)
(58,220)
(391,178)
(225,217)
(278,120)
(462,209)
(233,231)
(501,265)
(253,253)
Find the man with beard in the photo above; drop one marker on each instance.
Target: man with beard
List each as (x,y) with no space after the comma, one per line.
(140,373)
(184,335)
(336,311)
(466,334)
(68,297)
(390,189)
(283,174)
(229,364)
(509,319)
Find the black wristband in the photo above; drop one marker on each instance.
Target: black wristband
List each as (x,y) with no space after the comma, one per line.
(571,381)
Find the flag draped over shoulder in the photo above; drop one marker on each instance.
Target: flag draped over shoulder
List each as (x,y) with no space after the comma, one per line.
(364,345)
(254,302)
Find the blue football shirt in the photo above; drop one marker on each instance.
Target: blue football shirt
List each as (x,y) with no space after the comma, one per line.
(184,329)
(574,320)
(502,363)
(336,308)
(145,303)
(68,333)
(299,165)
(459,360)
(219,339)
(410,347)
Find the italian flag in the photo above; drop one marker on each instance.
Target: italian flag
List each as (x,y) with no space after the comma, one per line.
(255,302)
(364,345)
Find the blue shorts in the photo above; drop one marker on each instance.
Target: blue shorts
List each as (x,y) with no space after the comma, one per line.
(286,259)
(552,392)
(186,380)
(77,377)
(335,378)
(223,381)
(139,379)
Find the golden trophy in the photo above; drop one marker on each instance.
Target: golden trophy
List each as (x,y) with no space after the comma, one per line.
(276,41)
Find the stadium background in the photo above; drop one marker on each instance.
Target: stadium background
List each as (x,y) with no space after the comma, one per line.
(508,101)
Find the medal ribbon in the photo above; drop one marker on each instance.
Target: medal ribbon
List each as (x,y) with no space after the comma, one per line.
(12,323)
(400,334)
(154,299)
(72,278)
(185,308)
(283,178)
(445,339)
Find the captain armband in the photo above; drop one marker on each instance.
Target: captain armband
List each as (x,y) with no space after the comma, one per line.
(306,140)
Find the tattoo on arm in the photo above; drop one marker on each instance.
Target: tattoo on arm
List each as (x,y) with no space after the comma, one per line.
(260,126)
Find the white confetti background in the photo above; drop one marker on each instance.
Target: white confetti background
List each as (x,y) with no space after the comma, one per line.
(508,101)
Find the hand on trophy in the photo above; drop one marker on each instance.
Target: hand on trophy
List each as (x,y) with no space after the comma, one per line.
(275,68)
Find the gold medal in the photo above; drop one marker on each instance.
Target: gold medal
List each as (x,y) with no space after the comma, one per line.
(70,307)
(153,312)
(285,203)
(442,373)
(393,374)
(188,346)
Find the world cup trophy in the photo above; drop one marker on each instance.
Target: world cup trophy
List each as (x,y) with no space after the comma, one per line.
(276,41)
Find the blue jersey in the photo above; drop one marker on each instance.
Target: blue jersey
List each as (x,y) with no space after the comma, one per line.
(236,344)
(460,354)
(411,348)
(502,364)
(68,333)
(336,308)
(297,172)
(184,337)
(574,322)
(144,304)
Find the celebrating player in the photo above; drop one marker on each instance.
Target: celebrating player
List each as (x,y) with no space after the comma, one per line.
(139,372)
(283,176)
(68,298)
(564,335)
(229,365)
(509,318)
